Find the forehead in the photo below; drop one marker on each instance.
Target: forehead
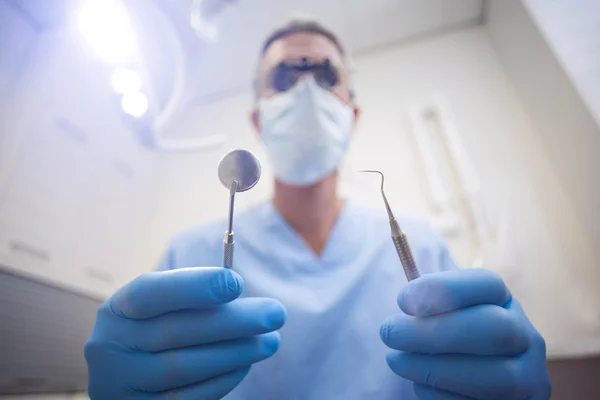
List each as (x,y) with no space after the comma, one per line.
(293,47)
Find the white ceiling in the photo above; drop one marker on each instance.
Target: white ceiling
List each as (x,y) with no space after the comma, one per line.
(228,64)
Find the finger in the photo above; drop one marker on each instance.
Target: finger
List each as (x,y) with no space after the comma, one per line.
(158,372)
(212,389)
(479,330)
(424,392)
(472,376)
(157,293)
(240,318)
(441,292)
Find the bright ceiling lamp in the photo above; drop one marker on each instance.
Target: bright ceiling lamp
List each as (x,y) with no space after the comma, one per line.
(107,28)
(134,103)
(124,80)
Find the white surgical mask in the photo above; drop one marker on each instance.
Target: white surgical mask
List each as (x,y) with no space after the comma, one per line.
(306,131)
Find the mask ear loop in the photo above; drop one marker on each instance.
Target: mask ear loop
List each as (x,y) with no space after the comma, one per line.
(352,96)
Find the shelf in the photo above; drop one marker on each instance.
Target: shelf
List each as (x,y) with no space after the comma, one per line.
(578,349)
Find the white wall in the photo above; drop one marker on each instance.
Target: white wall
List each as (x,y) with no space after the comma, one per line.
(572,30)
(17,39)
(550,250)
(536,43)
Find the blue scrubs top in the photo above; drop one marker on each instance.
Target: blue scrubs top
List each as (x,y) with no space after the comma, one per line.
(330,346)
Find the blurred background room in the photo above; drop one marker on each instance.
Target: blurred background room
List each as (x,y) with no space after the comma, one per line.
(483,114)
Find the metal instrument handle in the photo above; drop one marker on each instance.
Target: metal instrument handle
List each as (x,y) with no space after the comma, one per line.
(406,257)
(228,246)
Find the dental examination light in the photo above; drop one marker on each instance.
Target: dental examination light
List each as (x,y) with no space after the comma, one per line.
(200,24)
(117,39)
(106,26)
(125,80)
(134,103)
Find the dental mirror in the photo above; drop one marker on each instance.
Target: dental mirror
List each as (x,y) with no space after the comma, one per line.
(238,171)
(240,166)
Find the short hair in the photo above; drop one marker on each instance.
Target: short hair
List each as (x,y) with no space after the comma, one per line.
(299,24)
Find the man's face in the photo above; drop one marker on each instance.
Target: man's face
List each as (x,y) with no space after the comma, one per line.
(282,65)
(292,49)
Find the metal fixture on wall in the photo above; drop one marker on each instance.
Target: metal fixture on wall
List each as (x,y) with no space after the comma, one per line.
(441,189)
(203,17)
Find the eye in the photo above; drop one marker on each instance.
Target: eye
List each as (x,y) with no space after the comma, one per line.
(326,76)
(283,78)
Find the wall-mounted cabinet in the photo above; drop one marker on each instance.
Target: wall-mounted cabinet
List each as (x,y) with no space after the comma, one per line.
(73,197)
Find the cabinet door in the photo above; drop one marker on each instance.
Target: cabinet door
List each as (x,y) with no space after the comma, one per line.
(40,200)
(105,231)
(71,208)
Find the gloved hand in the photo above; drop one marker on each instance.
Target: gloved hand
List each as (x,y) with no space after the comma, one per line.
(179,334)
(464,337)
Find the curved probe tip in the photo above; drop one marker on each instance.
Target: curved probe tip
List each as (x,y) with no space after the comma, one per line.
(376,172)
(385,202)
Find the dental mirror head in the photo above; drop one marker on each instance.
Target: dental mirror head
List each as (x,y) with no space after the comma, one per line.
(240,166)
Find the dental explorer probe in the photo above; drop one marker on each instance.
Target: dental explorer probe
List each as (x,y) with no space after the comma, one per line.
(239,170)
(399,238)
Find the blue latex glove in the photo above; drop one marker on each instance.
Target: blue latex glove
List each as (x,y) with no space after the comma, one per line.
(464,337)
(179,334)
